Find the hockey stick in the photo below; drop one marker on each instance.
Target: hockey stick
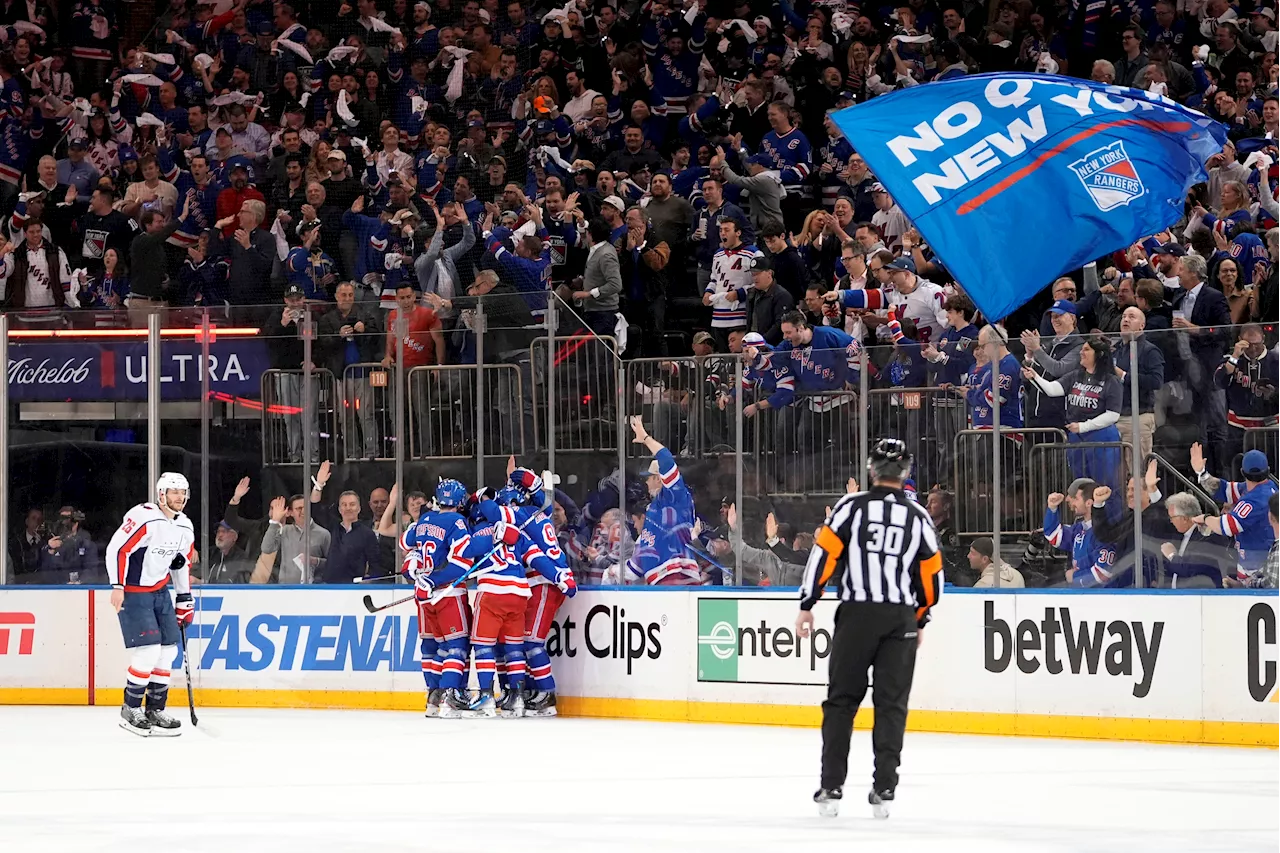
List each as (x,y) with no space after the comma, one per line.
(186,670)
(439,594)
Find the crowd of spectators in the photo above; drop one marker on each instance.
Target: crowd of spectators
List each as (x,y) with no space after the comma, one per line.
(670,171)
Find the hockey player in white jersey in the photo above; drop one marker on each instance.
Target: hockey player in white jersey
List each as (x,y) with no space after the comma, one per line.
(154,544)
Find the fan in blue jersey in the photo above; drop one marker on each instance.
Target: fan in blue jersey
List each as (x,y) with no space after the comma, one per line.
(521,503)
(673,61)
(1091,559)
(661,556)
(1246,521)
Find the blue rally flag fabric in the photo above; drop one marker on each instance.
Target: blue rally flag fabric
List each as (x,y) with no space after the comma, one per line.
(1015,179)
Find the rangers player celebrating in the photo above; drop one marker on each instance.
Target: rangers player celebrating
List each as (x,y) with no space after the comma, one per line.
(154,543)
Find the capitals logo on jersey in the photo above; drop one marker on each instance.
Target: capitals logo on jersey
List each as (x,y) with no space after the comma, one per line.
(1109,177)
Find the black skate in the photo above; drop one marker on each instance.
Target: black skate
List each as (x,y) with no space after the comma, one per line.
(134,720)
(485,706)
(435,696)
(879,801)
(541,703)
(456,703)
(162,725)
(828,801)
(512,704)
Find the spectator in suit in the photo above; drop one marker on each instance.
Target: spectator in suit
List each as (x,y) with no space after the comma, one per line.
(25,546)
(1150,379)
(1200,560)
(1202,315)
(349,333)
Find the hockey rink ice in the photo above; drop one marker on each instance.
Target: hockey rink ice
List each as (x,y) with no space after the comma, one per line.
(386,782)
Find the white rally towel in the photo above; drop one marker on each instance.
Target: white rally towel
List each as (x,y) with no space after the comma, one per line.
(143,79)
(233,98)
(29,28)
(344,112)
(147,119)
(282,242)
(340,53)
(377,25)
(453,88)
(203,60)
(294,47)
(418,105)
(172,37)
(162,58)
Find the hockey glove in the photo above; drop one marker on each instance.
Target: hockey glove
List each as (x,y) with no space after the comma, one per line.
(423,585)
(507,534)
(177,562)
(186,608)
(566,583)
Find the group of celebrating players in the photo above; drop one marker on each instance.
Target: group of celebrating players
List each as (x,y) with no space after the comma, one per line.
(508,544)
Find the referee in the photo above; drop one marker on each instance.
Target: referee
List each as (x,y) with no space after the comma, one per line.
(881,547)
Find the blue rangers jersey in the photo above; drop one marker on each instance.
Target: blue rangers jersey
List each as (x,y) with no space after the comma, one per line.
(1091,558)
(544,561)
(675,77)
(1247,521)
(507,566)
(981,401)
(955,350)
(1248,250)
(835,153)
(437,545)
(828,363)
(531,276)
(662,548)
(790,154)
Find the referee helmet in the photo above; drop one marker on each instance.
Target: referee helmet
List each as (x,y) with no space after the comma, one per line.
(889,460)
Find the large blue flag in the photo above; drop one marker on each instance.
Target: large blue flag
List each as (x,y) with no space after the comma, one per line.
(1015,179)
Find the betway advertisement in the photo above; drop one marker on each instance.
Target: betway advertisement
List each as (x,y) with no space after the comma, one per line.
(111,371)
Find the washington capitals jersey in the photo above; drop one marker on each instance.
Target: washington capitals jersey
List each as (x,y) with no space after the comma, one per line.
(436,544)
(1091,558)
(143,547)
(790,155)
(1247,521)
(662,548)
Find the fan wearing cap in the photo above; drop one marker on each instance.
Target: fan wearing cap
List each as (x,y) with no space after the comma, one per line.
(231,200)
(661,556)
(767,302)
(1246,521)
(673,61)
(308,267)
(529,264)
(1249,374)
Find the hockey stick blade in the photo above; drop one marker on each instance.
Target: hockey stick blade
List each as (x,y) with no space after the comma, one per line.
(369,605)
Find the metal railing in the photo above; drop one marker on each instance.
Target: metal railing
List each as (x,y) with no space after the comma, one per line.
(446,419)
(584,406)
(284,433)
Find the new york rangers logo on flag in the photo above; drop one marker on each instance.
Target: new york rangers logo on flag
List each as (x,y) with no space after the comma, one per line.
(1109,177)
(1066,170)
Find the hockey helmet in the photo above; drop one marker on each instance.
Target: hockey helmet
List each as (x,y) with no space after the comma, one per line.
(450,493)
(171,481)
(509,495)
(889,460)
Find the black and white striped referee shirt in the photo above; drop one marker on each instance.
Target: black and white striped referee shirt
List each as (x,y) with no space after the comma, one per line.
(884,549)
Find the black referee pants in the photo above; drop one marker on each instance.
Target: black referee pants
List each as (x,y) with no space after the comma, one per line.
(880,637)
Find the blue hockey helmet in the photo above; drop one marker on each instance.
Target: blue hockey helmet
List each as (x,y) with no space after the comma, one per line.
(450,493)
(509,496)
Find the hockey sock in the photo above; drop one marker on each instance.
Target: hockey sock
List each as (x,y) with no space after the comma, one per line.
(539,665)
(430,664)
(158,687)
(515,665)
(141,663)
(500,665)
(453,664)
(485,665)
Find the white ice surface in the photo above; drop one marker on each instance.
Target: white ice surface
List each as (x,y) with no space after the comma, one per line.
(385,782)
